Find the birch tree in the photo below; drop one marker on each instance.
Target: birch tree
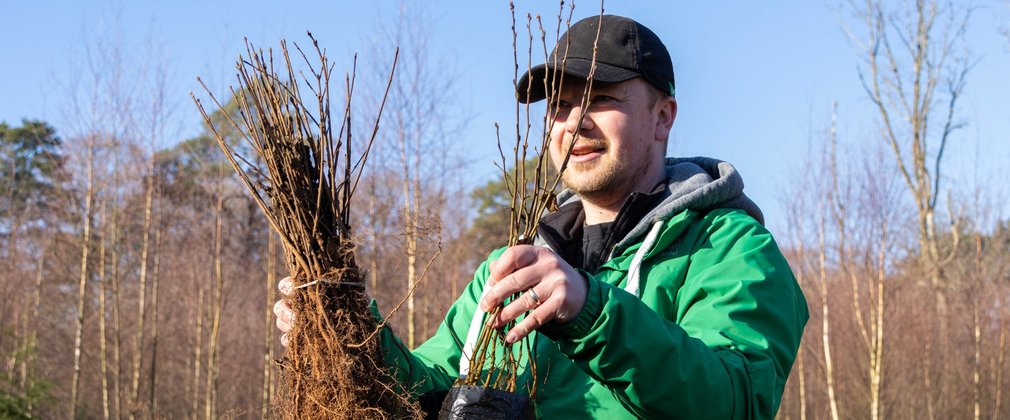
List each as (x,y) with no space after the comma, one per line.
(915,64)
(419,139)
(87,220)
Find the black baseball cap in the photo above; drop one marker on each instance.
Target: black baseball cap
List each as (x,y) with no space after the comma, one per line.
(627,49)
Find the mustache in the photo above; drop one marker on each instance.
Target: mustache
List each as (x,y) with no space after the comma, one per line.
(585,142)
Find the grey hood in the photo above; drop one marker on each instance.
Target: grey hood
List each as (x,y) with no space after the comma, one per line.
(694,183)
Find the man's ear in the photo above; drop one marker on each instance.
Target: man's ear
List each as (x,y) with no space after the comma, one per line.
(667,113)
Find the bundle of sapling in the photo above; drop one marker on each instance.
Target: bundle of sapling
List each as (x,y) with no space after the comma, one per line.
(303,176)
(489,385)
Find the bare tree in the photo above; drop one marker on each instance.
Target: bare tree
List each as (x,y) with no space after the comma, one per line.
(825,324)
(214,301)
(33,333)
(199,313)
(117,337)
(87,219)
(152,115)
(101,116)
(153,372)
(915,64)
(796,211)
(102,336)
(882,205)
(976,318)
(910,83)
(138,338)
(420,128)
(91,113)
(822,266)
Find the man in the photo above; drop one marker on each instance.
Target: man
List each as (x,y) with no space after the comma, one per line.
(654,291)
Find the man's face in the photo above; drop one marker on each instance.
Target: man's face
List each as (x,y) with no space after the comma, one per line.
(621,143)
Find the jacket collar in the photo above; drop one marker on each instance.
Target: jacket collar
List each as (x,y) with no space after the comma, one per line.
(562,229)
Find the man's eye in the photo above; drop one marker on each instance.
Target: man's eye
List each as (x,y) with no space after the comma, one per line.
(560,106)
(602,99)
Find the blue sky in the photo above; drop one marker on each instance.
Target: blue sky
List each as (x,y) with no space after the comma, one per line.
(755,80)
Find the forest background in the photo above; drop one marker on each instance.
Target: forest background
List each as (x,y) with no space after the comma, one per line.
(138,276)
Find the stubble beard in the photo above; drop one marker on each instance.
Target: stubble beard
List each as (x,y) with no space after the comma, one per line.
(608,177)
(596,179)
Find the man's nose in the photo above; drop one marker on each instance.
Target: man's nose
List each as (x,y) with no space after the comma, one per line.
(572,123)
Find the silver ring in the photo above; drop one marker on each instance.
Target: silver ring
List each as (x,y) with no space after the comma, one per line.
(533,295)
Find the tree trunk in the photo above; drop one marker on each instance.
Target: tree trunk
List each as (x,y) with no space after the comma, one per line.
(999,368)
(802,384)
(102,336)
(801,374)
(10,259)
(117,336)
(411,273)
(89,194)
(926,371)
(153,383)
(825,327)
(977,365)
(410,232)
(210,406)
(268,332)
(877,344)
(20,318)
(374,238)
(33,333)
(198,349)
(138,339)
(943,345)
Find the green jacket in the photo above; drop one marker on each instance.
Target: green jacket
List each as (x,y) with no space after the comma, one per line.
(695,315)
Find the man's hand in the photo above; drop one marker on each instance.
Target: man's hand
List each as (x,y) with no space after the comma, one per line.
(552,291)
(285,316)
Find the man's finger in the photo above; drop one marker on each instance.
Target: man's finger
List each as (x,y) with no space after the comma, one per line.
(513,283)
(530,300)
(283,326)
(511,260)
(534,320)
(283,312)
(280,307)
(285,286)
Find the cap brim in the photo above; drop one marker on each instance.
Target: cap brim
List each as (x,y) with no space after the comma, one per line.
(532,85)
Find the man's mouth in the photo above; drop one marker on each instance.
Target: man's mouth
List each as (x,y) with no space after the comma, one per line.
(583,151)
